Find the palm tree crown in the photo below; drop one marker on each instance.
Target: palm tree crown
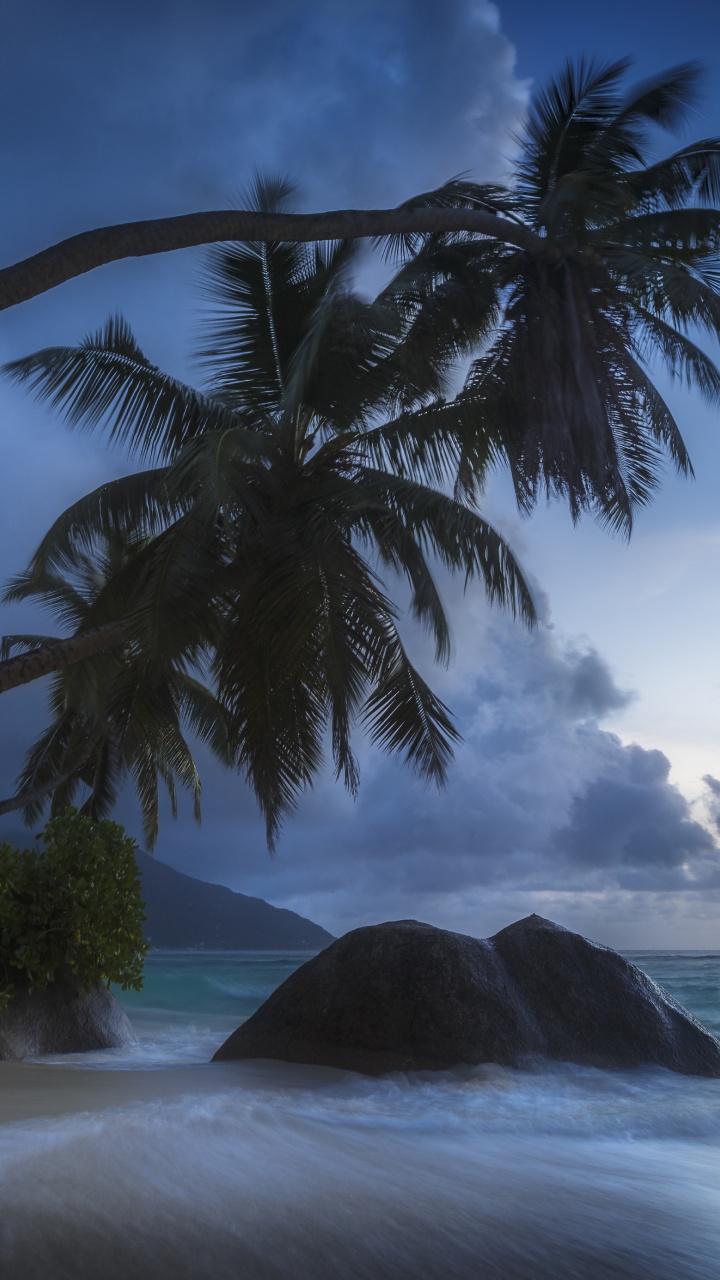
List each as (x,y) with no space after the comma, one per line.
(628,278)
(319,454)
(309,466)
(119,715)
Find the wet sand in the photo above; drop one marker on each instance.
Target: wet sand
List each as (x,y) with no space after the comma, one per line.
(30,1090)
(266,1171)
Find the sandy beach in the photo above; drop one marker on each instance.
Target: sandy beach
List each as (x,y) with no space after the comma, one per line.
(153,1162)
(31,1090)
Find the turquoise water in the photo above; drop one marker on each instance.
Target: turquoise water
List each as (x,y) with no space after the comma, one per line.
(692,977)
(213,983)
(253,1171)
(192,1000)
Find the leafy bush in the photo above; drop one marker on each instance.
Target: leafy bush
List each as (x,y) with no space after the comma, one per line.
(71,907)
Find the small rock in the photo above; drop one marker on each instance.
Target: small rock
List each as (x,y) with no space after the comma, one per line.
(63,1018)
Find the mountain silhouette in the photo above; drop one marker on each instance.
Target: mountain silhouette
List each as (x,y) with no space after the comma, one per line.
(184,912)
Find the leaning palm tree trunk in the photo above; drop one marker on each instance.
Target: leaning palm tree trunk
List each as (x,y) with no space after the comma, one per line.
(33,794)
(90,249)
(55,655)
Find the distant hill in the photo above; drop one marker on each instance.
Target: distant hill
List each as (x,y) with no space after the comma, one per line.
(184,912)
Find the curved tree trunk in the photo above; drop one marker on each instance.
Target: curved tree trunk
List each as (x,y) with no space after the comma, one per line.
(37,793)
(92,249)
(57,654)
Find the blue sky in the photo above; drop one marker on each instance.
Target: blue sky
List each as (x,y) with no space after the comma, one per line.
(578,791)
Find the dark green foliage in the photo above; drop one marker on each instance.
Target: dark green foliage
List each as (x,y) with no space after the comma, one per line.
(323,448)
(319,456)
(562,384)
(72,907)
(121,715)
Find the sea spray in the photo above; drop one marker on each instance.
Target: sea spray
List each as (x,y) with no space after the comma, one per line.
(252,1171)
(489,1173)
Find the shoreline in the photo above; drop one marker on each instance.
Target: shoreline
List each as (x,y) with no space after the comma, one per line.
(37,1090)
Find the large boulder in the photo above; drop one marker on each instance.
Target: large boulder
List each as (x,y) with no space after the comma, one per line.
(63,1018)
(406,995)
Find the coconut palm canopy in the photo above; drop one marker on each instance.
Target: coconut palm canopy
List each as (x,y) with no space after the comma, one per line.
(319,451)
(627,284)
(307,468)
(119,715)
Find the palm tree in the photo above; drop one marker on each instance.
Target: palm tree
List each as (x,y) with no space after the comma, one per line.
(597,264)
(628,279)
(310,465)
(117,715)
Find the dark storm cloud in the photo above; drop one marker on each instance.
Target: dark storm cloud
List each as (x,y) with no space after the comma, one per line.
(713,798)
(592,690)
(632,824)
(130,111)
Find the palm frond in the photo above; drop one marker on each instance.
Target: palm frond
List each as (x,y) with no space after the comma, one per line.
(681,358)
(12,644)
(132,508)
(664,101)
(205,716)
(460,538)
(429,444)
(691,174)
(404,716)
(104,778)
(688,296)
(398,550)
(107,382)
(564,119)
(682,236)
(458,192)
(262,299)
(56,761)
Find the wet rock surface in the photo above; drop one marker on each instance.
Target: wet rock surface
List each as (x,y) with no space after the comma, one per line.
(63,1018)
(405,995)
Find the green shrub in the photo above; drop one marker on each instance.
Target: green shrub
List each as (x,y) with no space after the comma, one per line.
(72,906)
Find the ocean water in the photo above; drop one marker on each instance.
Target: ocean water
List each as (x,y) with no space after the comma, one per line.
(151,1163)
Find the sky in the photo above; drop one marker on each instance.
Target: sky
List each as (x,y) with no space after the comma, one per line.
(586,786)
